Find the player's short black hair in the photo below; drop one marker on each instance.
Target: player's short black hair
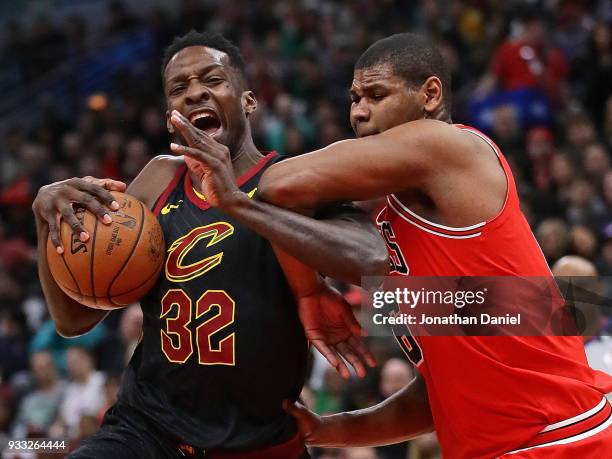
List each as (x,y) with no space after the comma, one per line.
(412,57)
(209,40)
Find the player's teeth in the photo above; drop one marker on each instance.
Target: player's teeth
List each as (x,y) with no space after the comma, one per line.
(201,115)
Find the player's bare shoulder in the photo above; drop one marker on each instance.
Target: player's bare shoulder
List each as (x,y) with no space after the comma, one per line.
(154,178)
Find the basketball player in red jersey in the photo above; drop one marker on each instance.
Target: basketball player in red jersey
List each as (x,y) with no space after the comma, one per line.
(452,210)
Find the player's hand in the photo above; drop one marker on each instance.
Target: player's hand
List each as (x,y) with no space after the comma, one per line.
(210,161)
(331,327)
(56,201)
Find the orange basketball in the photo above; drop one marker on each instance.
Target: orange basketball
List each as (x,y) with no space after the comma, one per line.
(119,263)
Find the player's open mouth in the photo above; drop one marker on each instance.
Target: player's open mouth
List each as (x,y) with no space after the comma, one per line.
(207,121)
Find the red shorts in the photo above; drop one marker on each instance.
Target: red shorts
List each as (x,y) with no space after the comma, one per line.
(587,436)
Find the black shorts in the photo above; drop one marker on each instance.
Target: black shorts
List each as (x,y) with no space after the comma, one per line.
(127,435)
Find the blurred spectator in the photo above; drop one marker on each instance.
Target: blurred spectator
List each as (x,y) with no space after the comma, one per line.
(38,409)
(583,242)
(580,132)
(131,330)
(425,447)
(47,338)
(84,394)
(553,237)
(598,343)
(529,61)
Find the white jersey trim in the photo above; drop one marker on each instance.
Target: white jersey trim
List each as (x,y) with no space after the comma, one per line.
(399,213)
(437,225)
(575,419)
(589,433)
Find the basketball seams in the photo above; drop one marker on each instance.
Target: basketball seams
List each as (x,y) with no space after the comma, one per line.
(91,260)
(127,292)
(63,257)
(129,257)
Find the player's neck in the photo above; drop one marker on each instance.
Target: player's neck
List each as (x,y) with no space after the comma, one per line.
(245,157)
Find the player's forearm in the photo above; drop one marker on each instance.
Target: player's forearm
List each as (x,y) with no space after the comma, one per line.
(402,416)
(342,249)
(303,280)
(70,317)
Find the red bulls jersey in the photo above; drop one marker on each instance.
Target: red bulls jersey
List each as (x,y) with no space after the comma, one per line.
(489,395)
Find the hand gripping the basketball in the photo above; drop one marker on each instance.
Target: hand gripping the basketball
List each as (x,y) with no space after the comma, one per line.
(56,201)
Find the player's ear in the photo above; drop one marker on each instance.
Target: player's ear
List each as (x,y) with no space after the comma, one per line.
(249,102)
(169,125)
(432,95)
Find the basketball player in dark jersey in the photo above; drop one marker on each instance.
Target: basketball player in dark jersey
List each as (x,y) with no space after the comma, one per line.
(222,342)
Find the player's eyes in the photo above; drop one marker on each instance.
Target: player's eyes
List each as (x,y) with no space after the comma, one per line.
(214,80)
(378,97)
(176,90)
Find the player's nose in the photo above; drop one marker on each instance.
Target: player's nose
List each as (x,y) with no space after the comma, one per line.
(360,112)
(196,92)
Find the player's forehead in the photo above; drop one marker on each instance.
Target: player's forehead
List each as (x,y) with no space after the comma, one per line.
(195,59)
(377,75)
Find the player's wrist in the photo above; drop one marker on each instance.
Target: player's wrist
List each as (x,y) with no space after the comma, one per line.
(235,201)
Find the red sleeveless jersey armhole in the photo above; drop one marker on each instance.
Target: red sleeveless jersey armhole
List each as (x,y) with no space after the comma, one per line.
(511,200)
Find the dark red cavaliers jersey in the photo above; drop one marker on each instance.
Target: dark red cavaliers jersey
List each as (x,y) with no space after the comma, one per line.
(222,344)
(489,395)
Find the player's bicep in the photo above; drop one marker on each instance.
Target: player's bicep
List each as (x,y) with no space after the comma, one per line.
(152,179)
(361,169)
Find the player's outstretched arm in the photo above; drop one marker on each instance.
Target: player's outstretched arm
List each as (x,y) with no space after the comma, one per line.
(404,157)
(327,318)
(403,416)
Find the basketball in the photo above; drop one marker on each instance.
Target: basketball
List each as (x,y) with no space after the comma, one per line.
(118,264)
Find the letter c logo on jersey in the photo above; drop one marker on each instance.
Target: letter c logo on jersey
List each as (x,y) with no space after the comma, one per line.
(176,271)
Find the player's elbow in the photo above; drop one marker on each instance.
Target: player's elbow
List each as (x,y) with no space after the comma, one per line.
(66,330)
(72,329)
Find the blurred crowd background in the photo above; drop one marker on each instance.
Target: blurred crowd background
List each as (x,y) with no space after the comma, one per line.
(82,96)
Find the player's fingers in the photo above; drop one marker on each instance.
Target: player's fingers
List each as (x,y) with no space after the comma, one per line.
(362,351)
(195,153)
(351,356)
(69,217)
(54,233)
(326,352)
(341,368)
(109,184)
(113,185)
(95,207)
(100,193)
(187,130)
